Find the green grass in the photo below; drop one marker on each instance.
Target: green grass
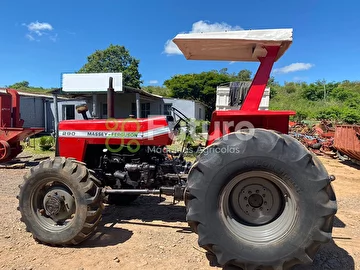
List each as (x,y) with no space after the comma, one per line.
(33,147)
(178,144)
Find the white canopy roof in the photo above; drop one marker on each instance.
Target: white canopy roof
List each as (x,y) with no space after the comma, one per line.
(243,45)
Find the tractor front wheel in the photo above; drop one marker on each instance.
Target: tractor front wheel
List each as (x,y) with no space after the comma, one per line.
(260,200)
(59,202)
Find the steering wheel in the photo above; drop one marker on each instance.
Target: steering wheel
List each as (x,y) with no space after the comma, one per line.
(181,116)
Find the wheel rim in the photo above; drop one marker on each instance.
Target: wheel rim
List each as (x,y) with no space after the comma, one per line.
(54,205)
(4,149)
(258,207)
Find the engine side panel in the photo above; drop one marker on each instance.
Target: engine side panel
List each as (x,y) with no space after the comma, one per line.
(113,134)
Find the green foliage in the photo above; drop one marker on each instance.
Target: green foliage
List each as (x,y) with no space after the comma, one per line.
(351,116)
(290,88)
(46,142)
(272,82)
(301,115)
(343,94)
(201,86)
(329,113)
(201,126)
(24,86)
(313,92)
(19,85)
(244,75)
(158,90)
(115,58)
(337,101)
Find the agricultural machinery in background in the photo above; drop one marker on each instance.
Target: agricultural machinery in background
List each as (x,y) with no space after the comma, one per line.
(255,196)
(335,140)
(12,131)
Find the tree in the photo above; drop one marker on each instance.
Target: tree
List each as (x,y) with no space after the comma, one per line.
(158,90)
(115,58)
(201,87)
(20,85)
(272,82)
(244,75)
(313,92)
(224,71)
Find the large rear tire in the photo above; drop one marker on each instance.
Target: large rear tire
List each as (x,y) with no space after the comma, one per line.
(60,202)
(260,201)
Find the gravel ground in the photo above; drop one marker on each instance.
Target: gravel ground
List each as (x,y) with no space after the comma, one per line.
(151,234)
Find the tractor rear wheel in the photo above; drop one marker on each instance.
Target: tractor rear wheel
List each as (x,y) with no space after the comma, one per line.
(260,200)
(59,202)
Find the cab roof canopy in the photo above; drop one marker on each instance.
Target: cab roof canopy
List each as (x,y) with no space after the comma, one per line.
(243,45)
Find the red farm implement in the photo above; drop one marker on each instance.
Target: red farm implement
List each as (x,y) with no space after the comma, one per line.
(347,142)
(12,131)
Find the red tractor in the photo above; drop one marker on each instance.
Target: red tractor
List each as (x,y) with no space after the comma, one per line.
(255,196)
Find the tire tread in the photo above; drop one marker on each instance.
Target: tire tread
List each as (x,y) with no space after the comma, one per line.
(84,179)
(287,149)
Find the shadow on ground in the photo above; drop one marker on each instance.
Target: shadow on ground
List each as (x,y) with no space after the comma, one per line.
(330,256)
(144,209)
(106,236)
(350,164)
(147,209)
(25,161)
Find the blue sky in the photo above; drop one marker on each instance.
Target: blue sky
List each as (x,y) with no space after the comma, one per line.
(42,39)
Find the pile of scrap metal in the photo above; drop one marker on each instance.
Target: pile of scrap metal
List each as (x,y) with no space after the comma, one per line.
(318,138)
(325,138)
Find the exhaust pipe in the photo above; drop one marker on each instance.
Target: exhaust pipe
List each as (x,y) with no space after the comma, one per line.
(110,99)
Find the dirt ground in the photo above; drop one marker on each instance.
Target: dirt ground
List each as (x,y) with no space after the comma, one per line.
(151,234)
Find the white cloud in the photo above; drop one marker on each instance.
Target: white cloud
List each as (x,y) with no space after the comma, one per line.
(232,62)
(200,27)
(299,79)
(30,37)
(171,48)
(203,26)
(153,81)
(293,67)
(39,29)
(54,37)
